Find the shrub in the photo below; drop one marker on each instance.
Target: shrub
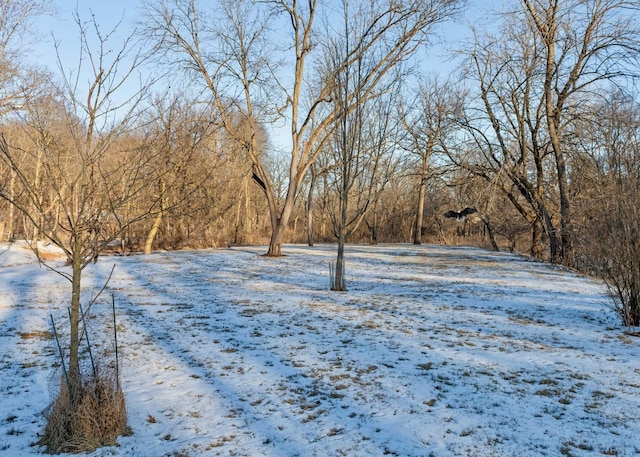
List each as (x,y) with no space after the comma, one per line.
(89,408)
(621,267)
(94,416)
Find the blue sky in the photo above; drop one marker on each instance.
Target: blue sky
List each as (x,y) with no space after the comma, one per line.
(62,26)
(109,13)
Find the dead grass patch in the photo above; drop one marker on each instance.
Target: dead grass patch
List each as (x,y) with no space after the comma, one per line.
(93,417)
(36,334)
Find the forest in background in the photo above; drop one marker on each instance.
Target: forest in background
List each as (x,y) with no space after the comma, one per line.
(537,129)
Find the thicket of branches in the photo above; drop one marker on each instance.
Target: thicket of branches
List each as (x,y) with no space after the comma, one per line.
(538,130)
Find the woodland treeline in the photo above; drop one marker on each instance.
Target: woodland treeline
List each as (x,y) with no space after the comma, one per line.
(304,122)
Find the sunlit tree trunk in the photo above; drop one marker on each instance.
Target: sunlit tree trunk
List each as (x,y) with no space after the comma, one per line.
(12,208)
(309,208)
(422,190)
(158,219)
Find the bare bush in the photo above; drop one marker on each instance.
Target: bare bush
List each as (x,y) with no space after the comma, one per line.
(88,412)
(620,251)
(92,415)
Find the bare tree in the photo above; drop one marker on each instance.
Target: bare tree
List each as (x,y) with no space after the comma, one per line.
(247,67)
(533,78)
(363,152)
(427,123)
(17,80)
(582,44)
(82,166)
(506,143)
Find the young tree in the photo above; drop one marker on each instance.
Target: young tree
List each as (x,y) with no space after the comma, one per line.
(362,148)
(246,63)
(82,167)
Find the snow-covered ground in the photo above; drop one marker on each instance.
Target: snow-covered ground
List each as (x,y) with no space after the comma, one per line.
(443,351)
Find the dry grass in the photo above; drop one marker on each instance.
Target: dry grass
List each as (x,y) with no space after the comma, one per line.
(46,255)
(94,417)
(37,334)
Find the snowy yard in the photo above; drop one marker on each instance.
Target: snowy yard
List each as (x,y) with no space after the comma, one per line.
(442,351)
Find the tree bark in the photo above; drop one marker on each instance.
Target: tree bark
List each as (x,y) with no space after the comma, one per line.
(339,283)
(422,190)
(492,238)
(275,243)
(157,221)
(312,184)
(12,208)
(74,312)
(374,224)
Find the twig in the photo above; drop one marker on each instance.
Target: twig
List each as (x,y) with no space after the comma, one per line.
(115,339)
(64,368)
(93,300)
(86,334)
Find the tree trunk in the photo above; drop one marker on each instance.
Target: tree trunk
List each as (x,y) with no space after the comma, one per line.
(275,243)
(295,226)
(374,224)
(12,208)
(310,207)
(422,190)
(236,226)
(246,225)
(339,283)
(492,238)
(309,224)
(280,222)
(74,313)
(152,233)
(536,239)
(156,223)
(566,226)
(553,113)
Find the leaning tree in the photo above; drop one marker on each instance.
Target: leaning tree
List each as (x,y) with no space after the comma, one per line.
(532,77)
(581,46)
(260,58)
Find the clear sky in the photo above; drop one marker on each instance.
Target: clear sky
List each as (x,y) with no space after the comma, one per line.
(63,27)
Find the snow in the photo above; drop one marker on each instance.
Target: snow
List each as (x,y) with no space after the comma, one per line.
(442,351)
